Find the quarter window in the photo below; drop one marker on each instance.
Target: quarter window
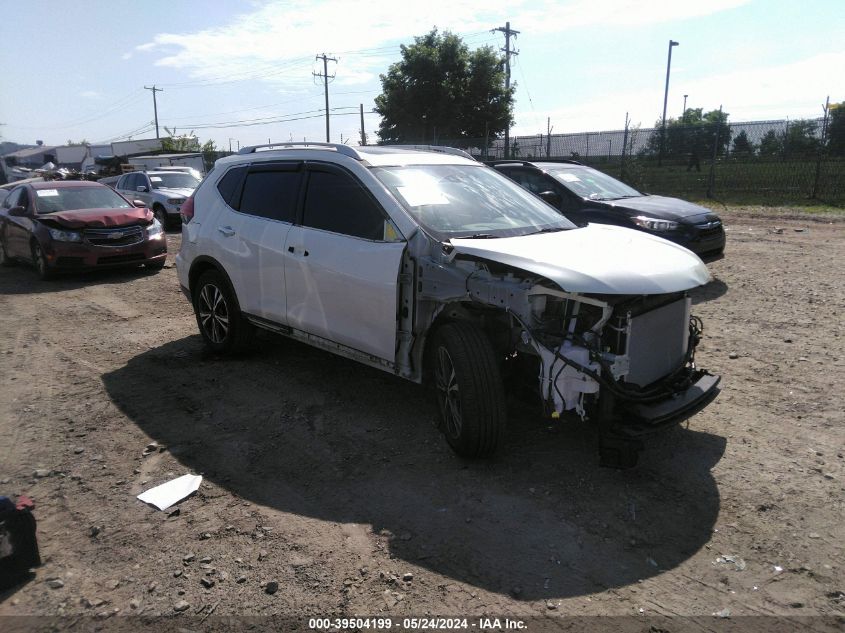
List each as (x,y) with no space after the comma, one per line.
(229,183)
(271,194)
(337,203)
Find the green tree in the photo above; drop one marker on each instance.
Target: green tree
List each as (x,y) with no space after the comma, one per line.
(183,143)
(694,133)
(797,140)
(800,139)
(442,90)
(836,129)
(771,144)
(743,148)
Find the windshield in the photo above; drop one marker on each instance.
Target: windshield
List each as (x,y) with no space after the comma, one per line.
(73,198)
(173,180)
(468,201)
(593,184)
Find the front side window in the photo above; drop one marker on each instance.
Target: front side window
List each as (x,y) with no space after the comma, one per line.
(13,200)
(336,202)
(271,194)
(531,180)
(453,201)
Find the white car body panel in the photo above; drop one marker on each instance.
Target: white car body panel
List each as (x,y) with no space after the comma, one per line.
(262,269)
(599,259)
(344,290)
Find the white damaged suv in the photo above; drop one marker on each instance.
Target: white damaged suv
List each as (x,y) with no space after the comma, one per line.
(434,267)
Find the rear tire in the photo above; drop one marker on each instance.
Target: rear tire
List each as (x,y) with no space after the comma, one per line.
(222,326)
(155,266)
(469,388)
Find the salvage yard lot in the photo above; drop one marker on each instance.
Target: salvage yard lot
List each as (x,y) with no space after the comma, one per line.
(330,479)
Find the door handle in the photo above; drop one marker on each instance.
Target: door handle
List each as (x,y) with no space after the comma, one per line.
(292,249)
(227,231)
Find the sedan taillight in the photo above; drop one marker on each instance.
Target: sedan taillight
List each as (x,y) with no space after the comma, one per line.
(187,210)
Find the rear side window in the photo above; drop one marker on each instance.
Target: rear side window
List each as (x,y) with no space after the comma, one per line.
(271,194)
(229,185)
(336,202)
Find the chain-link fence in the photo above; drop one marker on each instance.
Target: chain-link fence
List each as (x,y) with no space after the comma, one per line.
(760,162)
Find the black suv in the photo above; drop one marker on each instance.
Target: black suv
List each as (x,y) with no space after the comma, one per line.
(586,195)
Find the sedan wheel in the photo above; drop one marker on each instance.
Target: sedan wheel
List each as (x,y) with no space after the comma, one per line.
(40,261)
(4,257)
(161,216)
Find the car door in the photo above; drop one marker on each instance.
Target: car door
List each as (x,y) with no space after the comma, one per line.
(143,189)
(18,228)
(125,186)
(342,265)
(252,230)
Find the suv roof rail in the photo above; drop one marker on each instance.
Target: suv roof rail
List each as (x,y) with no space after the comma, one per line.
(443,149)
(340,148)
(527,163)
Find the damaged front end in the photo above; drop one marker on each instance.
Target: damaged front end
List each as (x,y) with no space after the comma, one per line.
(624,361)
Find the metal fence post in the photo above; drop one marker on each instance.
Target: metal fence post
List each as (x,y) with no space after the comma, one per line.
(821,149)
(624,149)
(711,179)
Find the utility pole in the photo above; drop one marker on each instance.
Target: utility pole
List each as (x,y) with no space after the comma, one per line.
(155,105)
(325,76)
(665,97)
(363,133)
(508,31)
(548,137)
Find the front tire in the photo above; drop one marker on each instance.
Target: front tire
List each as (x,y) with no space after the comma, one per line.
(469,390)
(222,326)
(4,257)
(161,216)
(40,262)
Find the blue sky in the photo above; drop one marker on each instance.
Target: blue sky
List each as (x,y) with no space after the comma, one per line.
(77,69)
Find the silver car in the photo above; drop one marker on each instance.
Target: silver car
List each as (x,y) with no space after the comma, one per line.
(162,191)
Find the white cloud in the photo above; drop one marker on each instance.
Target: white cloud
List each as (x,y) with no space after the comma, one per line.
(274,42)
(91,94)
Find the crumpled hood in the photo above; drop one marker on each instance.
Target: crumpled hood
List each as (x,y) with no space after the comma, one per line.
(599,258)
(666,208)
(180,192)
(98,218)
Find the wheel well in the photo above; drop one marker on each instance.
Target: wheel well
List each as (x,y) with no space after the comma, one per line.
(492,322)
(158,205)
(199,268)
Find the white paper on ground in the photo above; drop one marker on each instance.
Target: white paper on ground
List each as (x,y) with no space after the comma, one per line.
(165,495)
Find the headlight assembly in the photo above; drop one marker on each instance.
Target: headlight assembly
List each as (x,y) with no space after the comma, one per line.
(154,229)
(655,224)
(65,236)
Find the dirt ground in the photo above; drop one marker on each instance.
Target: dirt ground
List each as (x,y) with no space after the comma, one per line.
(330,479)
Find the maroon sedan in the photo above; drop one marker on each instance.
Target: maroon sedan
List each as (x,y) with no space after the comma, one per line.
(72,225)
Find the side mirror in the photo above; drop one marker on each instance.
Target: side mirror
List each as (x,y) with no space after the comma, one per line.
(141,188)
(551,197)
(18,212)
(139,203)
